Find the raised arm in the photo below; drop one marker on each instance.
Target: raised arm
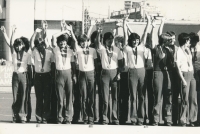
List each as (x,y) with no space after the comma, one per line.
(125,29)
(73,37)
(14,28)
(161,26)
(144,36)
(153,44)
(37,30)
(5,35)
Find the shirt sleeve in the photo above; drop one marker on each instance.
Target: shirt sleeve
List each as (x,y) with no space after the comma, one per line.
(120,55)
(94,54)
(29,59)
(72,56)
(52,57)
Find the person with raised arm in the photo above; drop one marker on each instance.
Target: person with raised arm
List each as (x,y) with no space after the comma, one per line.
(175,80)
(136,55)
(112,65)
(98,94)
(65,73)
(188,90)
(21,60)
(87,59)
(162,75)
(121,43)
(44,67)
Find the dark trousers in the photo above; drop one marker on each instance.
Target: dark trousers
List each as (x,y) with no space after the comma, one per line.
(107,77)
(188,99)
(198,93)
(77,103)
(162,87)
(137,76)
(149,95)
(64,89)
(29,108)
(43,96)
(176,82)
(86,86)
(123,97)
(19,106)
(98,100)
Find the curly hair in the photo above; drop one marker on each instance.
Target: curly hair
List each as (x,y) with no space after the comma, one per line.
(63,37)
(26,43)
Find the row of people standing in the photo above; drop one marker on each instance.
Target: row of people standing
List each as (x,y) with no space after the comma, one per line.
(127,62)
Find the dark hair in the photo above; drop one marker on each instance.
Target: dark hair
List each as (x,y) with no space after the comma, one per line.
(107,36)
(182,38)
(120,39)
(163,38)
(133,37)
(171,33)
(82,38)
(194,37)
(39,41)
(63,37)
(26,43)
(18,42)
(94,35)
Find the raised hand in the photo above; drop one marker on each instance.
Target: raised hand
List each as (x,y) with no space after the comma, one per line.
(3,29)
(148,16)
(14,28)
(63,24)
(38,30)
(153,22)
(44,24)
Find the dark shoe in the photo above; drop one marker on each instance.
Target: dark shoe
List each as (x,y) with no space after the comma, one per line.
(104,123)
(133,123)
(59,122)
(44,122)
(168,124)
(91,122)
(85,122)
(140,123)
(23,122)
(183,124)
(192,124)
(155,124)
(39,121)
(115,123)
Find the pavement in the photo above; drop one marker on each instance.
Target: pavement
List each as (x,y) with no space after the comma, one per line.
(6,127)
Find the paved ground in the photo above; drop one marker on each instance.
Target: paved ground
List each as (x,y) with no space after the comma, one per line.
(6,127)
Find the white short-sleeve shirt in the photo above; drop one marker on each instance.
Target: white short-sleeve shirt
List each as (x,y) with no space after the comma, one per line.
(142,54)
(86,62)
(59,61)
(26,60)
(182,60)
(37,61)
(117,55)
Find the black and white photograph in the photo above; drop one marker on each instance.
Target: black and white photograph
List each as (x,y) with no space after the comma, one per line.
(99,66)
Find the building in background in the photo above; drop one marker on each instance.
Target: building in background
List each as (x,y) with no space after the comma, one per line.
(27,16)
(136,9)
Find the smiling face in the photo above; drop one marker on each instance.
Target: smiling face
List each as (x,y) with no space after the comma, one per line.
(62,44)
(135,43)
(19,47)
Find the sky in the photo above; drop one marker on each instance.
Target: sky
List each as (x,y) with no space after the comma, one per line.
(173,9)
